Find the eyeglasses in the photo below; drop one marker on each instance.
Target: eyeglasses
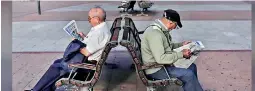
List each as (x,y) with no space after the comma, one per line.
(89,18)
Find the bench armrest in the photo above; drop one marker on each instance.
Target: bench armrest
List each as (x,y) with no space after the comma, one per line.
(151,65)
(172,81)
(140,32)
(83,66)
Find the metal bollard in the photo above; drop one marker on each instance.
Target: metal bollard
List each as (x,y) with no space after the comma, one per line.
(39,7)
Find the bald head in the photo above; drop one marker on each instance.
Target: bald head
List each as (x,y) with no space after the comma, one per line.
(97,12)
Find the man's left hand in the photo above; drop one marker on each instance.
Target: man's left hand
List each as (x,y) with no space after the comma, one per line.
(186,42)
(81,34)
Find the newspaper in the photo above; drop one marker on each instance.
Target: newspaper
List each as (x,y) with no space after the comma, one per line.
(72,30)
(195,47)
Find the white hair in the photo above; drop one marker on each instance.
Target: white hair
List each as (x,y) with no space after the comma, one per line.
(103,16)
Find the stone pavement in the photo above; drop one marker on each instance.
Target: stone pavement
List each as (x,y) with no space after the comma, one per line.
(216,35)
(217,71)
(220,26)
(156,7)
(223,27)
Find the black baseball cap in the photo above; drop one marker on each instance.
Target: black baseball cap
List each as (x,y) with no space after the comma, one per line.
(173,16)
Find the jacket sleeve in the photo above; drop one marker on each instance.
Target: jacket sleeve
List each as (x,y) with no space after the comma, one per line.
(155,43)
(176,45)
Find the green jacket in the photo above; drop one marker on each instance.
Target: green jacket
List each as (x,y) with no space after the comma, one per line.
(155,48)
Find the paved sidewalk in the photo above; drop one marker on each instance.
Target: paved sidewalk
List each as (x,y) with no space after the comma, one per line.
(223,27)
(217,71)
(220,26)
(156,7)
(216,35)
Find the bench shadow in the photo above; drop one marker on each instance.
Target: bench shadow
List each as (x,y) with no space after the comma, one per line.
(106,73)
(124,74)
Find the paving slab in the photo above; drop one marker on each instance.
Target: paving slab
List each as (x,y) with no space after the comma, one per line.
(152,15)
(223,27)
(217,71)
(156,7)
(31,5)
(219,25)
(216,35)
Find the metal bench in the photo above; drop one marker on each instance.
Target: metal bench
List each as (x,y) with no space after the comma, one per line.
(132,42)
(95,69)
(144,5)
(126,5)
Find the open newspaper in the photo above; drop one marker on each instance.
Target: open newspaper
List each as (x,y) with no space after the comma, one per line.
(72,30)
(195,47)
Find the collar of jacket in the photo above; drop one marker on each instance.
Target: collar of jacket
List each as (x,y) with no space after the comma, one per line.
(160,24)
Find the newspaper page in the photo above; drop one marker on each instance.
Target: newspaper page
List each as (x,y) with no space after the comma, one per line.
(72,30)
(195,47)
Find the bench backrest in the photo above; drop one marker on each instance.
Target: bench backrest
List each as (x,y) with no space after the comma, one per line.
(116,27)
(132,42)
(132,32)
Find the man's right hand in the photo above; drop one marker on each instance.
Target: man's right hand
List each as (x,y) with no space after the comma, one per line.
(186,53)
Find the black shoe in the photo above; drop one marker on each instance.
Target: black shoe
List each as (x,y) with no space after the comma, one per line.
(28,90)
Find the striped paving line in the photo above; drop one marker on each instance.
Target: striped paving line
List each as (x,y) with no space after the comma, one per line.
(220,35)
(31,6)
(111,15)
(158,7)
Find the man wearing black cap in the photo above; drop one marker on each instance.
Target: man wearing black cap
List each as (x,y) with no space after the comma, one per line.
(157,46)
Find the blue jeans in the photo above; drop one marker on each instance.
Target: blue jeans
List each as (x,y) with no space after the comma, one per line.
(187,76)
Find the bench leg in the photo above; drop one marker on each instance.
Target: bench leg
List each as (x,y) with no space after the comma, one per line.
(151,88)
(125,13)
(142,13)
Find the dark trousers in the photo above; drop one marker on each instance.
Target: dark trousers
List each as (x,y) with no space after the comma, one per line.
(59,68)
(46,83)
(187,76)
(54,73)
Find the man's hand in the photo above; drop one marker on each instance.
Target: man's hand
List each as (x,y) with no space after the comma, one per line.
(186,42)
(81,34)
(186,53)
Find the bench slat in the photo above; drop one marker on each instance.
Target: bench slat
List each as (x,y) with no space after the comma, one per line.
(83,65)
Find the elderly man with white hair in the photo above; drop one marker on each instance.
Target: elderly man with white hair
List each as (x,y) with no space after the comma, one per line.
(94,43)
